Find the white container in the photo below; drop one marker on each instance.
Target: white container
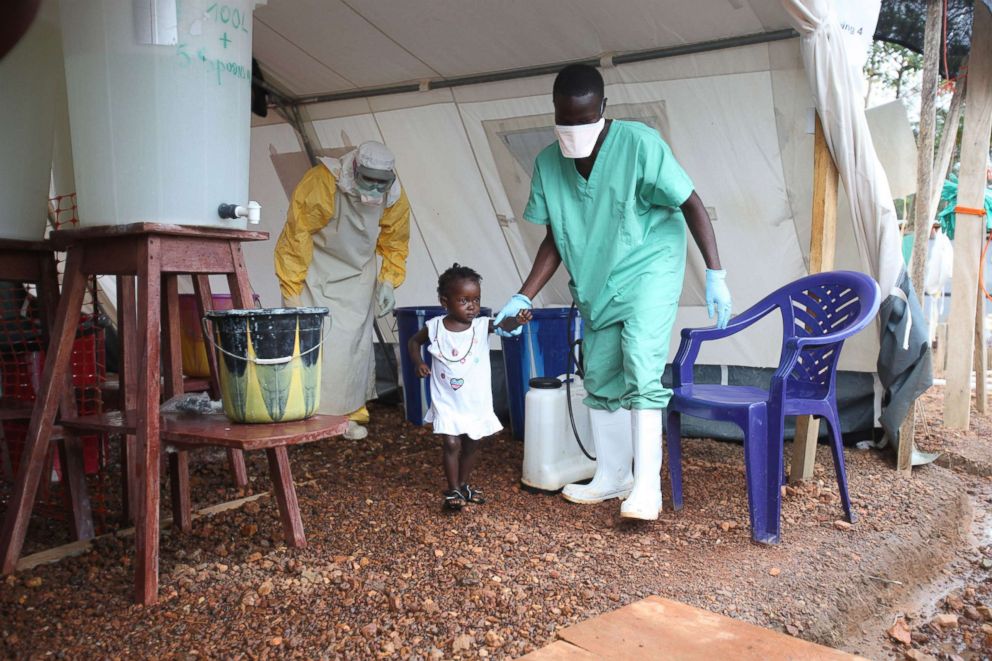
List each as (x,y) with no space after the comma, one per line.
(31,80)
(159,104)
(552,457)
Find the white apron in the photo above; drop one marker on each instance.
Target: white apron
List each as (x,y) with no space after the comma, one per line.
(342,278)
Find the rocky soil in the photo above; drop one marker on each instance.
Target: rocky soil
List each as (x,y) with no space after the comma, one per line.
(387,573)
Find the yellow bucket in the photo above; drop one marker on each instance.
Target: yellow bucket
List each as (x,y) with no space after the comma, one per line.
(194,351)
(268,362)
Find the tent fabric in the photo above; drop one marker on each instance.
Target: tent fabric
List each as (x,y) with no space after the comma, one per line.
(904,366)
(737,119)
(323,46)
(837,82)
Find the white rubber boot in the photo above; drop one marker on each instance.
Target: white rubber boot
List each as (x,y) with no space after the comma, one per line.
(644,501)
(355,432)
(613,479)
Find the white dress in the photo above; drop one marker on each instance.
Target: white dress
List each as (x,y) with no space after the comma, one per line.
(461,388)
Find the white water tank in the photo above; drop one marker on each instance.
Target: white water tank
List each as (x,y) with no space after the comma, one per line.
(159,106)
(30,81)
(552,457)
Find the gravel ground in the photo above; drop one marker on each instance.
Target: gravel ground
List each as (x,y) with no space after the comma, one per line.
(950,617)
(388,573)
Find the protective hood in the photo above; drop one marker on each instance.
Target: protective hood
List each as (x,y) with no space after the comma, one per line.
(343,170)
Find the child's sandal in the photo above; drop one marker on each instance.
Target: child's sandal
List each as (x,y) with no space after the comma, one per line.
(472,495)
(454,500)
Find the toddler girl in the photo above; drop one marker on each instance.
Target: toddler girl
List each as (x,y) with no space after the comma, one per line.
(461,393)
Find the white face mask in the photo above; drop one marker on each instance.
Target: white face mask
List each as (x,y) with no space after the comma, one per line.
(579,141)
(371,199)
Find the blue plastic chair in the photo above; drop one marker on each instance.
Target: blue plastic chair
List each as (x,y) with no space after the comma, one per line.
(818,312)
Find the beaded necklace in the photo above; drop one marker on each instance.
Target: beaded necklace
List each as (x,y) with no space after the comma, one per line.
(454,358)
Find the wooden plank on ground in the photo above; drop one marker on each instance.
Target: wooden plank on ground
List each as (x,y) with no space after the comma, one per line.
(559,651)
(969,230)
(656,628)
(822,247)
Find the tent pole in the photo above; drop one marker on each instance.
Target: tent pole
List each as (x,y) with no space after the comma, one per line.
(969,227)
(822,247)
(548,69)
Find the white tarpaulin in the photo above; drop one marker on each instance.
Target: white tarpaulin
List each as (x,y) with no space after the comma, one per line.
(838,88)
(737,120)
(831,38)
(738,117)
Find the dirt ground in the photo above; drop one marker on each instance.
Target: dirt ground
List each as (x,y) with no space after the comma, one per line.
(388,574)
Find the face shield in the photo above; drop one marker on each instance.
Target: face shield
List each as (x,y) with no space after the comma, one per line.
(372,184)
(373,173)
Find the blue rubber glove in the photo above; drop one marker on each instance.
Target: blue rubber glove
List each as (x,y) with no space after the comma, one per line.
(517,303)
(718,297)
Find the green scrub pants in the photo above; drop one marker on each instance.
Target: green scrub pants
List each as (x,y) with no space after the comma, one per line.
(624,355)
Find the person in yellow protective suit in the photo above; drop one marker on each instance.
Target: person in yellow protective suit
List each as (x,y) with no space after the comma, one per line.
(342,214)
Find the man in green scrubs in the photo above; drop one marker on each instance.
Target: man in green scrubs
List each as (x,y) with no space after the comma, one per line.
(617,204)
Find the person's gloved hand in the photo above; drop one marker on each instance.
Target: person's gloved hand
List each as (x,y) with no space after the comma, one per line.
(516,303)
(385,300)
(292,301)
(718,297)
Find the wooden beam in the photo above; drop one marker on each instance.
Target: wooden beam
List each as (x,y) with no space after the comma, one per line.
(948,140)
(923,217)
(981,359)
(969,228)
(822,248)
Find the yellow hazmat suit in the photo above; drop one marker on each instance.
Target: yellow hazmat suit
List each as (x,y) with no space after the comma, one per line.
(326,256)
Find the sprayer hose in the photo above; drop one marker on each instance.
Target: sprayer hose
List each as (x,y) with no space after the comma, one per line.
(572,360)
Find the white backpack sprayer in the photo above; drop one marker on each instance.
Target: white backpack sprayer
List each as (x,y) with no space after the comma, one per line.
(555,422)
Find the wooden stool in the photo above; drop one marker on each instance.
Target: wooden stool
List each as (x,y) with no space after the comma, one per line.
(182,432)
(148,258)
(33,262)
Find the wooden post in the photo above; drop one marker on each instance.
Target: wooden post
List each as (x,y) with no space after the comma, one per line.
(924,157)
(923,217)
(948,139)
(981,358)
(970,228)
(822,247)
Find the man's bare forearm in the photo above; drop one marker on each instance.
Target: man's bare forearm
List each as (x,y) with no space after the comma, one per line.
(545,264)
(702,230)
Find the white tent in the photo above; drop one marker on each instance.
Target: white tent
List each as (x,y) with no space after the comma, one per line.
(460,90)
(738,119)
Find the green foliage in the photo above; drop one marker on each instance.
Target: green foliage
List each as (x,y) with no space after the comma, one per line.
(893,67)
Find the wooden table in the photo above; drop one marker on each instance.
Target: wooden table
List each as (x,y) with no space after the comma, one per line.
(147,258)
(33,262)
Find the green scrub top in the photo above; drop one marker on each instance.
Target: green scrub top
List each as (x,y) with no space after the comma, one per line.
(621,224)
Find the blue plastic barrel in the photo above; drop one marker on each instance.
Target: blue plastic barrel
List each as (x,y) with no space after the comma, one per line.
(417,391)
(541,349)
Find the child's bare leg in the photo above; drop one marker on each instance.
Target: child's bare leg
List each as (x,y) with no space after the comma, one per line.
(452,460)
(469,458)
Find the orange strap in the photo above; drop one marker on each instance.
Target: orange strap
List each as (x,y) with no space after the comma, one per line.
(969,211)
